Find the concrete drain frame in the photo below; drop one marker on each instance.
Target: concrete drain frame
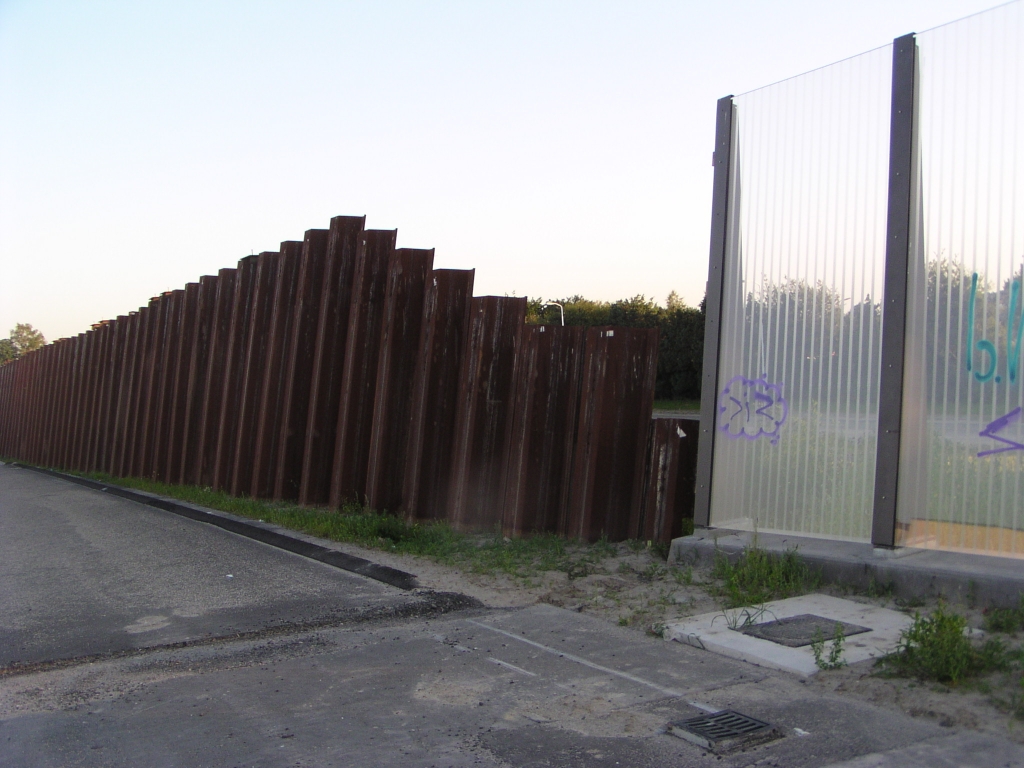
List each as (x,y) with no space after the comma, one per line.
(724,732)
(716,631)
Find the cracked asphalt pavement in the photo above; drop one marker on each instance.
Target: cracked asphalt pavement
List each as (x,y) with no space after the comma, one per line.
(130,636)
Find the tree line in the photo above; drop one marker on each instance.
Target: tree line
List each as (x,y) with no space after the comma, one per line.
(23,338)
(680,337)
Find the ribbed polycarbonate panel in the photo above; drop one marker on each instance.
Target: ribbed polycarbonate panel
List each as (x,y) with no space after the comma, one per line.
(962,446)
(801,312)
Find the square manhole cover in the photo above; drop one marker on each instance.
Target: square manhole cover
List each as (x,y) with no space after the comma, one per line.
(723,731)
(798,631)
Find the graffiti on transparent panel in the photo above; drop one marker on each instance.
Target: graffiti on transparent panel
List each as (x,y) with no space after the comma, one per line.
(752,408)
(982,358)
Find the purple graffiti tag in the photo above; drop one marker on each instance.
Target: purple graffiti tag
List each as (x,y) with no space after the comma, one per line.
(993,428)
(752,408)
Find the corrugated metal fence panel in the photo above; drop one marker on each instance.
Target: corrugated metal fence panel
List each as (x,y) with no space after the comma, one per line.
(223,391)
(548,377)
(121,411)
(100,372)
(616,402)
(670,478)
(186,333)
(164,386)
(194,440)
(298,367)
(359,378)
(112,384)
(435,391)
(344,245)
(80,406)
(252,362)
(140,381)
(149,396)
(400,335)
(220,390)
(268,425)
(211,387)
(484,416)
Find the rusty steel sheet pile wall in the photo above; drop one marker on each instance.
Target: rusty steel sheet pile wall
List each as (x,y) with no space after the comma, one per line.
(548,377)
(669,479)
(483,417)
(403,318)
(345,243)
(343,369)
(616,402)
(435,390)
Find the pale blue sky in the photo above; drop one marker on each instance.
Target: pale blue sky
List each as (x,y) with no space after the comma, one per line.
(557,147)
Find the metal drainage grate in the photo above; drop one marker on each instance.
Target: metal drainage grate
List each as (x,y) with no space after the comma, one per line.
(723,731)
(798,631)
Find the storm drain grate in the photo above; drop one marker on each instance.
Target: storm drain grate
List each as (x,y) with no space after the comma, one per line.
(798,631)
(723,731)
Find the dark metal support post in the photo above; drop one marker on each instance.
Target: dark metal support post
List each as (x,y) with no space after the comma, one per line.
(894,319)
(713,311)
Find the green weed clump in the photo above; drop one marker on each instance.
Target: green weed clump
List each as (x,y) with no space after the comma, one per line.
(758,577)
(1009,620)
(835,659)
(936,647)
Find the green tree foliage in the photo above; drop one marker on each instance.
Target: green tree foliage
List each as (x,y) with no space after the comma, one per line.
(24,338)
(681,333)
(7,351)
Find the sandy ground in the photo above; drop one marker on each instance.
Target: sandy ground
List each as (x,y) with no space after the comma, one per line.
(639,590)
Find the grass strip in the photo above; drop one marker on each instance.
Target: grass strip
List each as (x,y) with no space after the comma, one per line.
(355,524)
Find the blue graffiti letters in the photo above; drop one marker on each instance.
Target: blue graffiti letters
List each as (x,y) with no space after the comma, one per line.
(993,428)
(752,408)
(1014,331)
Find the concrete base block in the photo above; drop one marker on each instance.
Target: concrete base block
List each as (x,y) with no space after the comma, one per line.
(956,576)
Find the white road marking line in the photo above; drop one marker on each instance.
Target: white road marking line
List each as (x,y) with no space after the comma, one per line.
(608,670)
(512,667)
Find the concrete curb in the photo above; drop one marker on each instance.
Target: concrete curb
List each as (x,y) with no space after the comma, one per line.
(252,529)
(984,580)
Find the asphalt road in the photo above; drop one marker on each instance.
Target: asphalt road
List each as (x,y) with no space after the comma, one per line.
(331,669)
